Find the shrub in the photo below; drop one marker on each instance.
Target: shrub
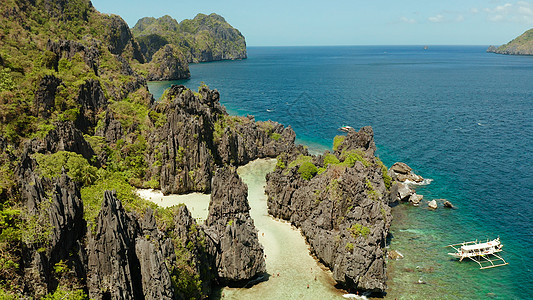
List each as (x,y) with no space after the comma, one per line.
(93,196)
(280,164)
(372,193)
(384,173)
(352,156)
(6,81)
(349,247)
(300,160)
(275,136)
(330,159)
(359,230)
(337,141)
(63,293)
(307,170)
(77,167)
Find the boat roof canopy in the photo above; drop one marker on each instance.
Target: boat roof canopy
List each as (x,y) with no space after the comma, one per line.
(480,246)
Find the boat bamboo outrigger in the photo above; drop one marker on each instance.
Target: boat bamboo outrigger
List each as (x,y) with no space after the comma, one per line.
(483,253)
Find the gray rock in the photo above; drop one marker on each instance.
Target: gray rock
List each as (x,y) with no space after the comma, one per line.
(344,221)
(114,269)
(45,95)
(92,101)
(68,49)
(394,193)
(119,37)
(65,137)
(432,204)
(198,135)
(156,280)
(402,172)
(415,199)
(55,206)
(404,192)
(240,256)
(401,168)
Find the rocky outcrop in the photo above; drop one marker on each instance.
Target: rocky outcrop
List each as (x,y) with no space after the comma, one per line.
(68,49)
(120,39)
(240,256)
(522,45)
(343,212)
(92,101)
(198,135)
(66,137)
(432,204)
(55,209)
(402,172)
(110,129)
(63,137)
(45,96)
(112,262)
(168,64)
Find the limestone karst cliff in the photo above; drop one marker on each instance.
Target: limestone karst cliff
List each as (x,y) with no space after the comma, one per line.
(340,202)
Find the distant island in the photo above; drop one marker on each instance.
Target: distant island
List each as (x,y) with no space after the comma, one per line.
(522,45)
(204,38)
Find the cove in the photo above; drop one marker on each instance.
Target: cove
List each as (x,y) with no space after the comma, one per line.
(285,248)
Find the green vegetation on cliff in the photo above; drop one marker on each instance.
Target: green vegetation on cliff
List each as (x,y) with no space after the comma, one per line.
(204,38)
(522,45)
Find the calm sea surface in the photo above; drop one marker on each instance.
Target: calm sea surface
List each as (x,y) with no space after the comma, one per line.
(456,114)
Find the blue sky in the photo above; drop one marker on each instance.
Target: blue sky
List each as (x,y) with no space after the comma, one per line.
(349,22)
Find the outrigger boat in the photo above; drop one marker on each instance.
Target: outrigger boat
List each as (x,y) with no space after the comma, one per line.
(484,254)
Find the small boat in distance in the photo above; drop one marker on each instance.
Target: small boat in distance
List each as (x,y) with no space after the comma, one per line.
(426,47)
(484,254)
(346,128)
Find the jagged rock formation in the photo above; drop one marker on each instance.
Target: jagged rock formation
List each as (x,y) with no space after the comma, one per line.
(92,101)
(402,172)
(120,39)
(240,256)
(45,96)
(63,137)
(343,211)
(112,261)
(68,49)
(522,45)
(56,211)
(199,134)
(168,64)
(204,38)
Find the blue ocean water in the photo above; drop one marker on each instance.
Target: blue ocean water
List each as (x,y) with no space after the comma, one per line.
(456,114)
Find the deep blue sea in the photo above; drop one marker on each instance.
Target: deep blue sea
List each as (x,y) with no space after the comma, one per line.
(456,114)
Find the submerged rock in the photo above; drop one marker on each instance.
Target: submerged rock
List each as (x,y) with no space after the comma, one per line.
(448,204)
(393,254)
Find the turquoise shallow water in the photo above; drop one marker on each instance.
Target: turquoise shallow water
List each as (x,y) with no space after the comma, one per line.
(456,114)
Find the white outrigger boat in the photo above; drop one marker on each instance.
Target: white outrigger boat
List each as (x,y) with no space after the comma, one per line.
(484,254)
